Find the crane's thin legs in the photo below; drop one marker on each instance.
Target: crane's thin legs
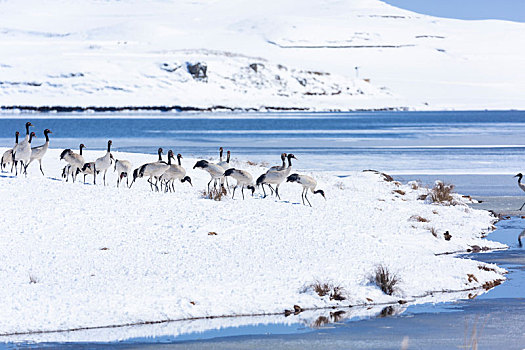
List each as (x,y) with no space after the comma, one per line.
(521,206)
(233,195)
(277,192)
(305,193)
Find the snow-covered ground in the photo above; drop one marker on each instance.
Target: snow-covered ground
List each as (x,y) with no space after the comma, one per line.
(280,54)
(76,255)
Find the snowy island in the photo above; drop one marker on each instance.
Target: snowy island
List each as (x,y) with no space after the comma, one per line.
(78,256)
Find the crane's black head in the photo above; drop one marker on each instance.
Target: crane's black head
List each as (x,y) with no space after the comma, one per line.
(17,133)
(28,124)
(201,164)
(179,156)
(229,172)
(82,146)
(160,150)
(47,131)
(260,179)
(283,156)
(293,178)
(290,156)
(136,174)
(250,187)
(31,135)
(520,175)
(186,179)
(321,192)
(170,154)
(64,152)
(86,166)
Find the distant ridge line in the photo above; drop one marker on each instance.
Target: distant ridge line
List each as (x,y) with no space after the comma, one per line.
(176,108)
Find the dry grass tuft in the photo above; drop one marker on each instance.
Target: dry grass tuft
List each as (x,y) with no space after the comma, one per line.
(433,231)
(441,193)
(386,177)
(414,185)
(486,268)
(492,284)
(417,218)
(212,233)
(215,194)
(401,192)
(335,292)
(471,278)
(385,280)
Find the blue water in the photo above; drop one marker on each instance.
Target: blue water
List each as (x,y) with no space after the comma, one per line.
(395,142)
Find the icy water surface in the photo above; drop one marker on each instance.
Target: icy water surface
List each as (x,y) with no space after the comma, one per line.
(395,142)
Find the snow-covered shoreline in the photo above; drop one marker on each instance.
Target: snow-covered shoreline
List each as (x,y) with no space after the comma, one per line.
(104,256)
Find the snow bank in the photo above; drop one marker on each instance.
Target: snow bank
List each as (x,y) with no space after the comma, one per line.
(104,256)
(321,55)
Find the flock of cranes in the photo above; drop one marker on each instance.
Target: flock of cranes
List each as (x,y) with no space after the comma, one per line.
(164,173)
(161,174)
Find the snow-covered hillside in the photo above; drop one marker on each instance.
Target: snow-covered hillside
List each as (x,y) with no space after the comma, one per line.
(271,54)
(77,255)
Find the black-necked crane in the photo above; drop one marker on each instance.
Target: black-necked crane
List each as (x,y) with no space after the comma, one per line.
(308,183)
(216,171)
(243,178)
(522,186)
(7,157)
(38,152)
(22,151)
(123,169)
(282,166)
(174,172)
(276,177)
(88,169)
(152,170)
(102,164)
(76,160)
(225,164)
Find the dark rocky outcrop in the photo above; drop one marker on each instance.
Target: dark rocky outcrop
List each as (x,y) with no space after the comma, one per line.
(198,70)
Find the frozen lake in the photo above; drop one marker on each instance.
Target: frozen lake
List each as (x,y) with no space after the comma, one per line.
(394,142)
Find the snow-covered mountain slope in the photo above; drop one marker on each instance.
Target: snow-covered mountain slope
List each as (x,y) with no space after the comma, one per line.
(77,255)
(283,54)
